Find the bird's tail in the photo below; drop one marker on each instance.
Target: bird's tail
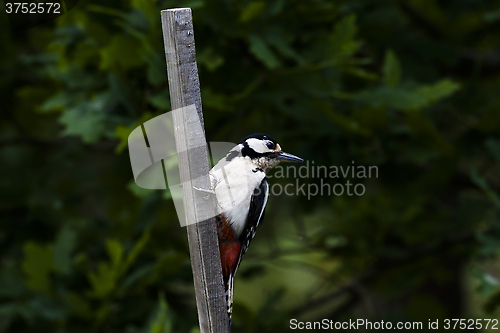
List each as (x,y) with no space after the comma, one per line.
(229,297)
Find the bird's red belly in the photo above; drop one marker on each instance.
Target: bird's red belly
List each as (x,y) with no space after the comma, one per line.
(229,253)
(229,246)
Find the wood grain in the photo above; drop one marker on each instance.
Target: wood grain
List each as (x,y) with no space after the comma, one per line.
(185,98)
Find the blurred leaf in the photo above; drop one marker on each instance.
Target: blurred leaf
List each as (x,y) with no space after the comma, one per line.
(11,281)
(345,122)
(86,120)
(78,305)
(49,309)
(423,128)
(105,280)
(134,277)
(156,69)
(494,148)
(138,247)
(342,38)
(147,8)
(122,133)
(162,322)
(439,90)
(492,17)
(262,52)
(11,311)
(490,245)
(137,191)
(483,184)
(216,101)
(56,103)
(106,10)
(122,53)
(115,251)
(279,39)
(487,283)
(119,92)
(391,69)
(62,249)
(210,59)
(401,98)
(161,100)
(361,73)
(253,10)
(37,264)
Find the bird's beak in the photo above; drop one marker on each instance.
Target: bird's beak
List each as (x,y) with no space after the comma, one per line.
(282,156)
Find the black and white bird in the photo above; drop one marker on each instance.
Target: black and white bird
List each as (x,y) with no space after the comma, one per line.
(240,185)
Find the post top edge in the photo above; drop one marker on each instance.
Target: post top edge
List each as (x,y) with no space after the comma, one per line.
(176,9)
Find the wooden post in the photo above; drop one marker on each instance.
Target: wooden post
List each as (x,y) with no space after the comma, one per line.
(184,88)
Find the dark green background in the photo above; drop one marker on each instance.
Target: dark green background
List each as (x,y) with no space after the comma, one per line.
(411,87)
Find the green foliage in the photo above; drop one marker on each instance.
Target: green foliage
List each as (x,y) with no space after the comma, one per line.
(161,323)
(391,69)
(105,280)
(410,87)
(37,265)
(342,40)
(252,11)
(262,52)
(407,99)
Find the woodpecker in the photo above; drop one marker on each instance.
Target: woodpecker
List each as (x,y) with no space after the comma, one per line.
(241,188)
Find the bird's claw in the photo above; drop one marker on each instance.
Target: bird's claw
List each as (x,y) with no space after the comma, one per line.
(204,190)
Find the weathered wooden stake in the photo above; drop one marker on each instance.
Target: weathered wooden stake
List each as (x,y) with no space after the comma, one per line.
(184,88)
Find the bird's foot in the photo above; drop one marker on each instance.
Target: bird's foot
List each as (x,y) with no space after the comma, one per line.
(204,190)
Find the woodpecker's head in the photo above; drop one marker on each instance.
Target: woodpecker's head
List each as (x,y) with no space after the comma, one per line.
(264,151)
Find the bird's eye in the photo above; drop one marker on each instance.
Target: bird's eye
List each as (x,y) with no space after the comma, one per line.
(271,145)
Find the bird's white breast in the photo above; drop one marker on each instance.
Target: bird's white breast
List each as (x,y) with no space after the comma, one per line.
(234,185)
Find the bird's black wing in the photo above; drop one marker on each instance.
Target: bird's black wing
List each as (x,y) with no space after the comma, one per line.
(255,214)
(254,218)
